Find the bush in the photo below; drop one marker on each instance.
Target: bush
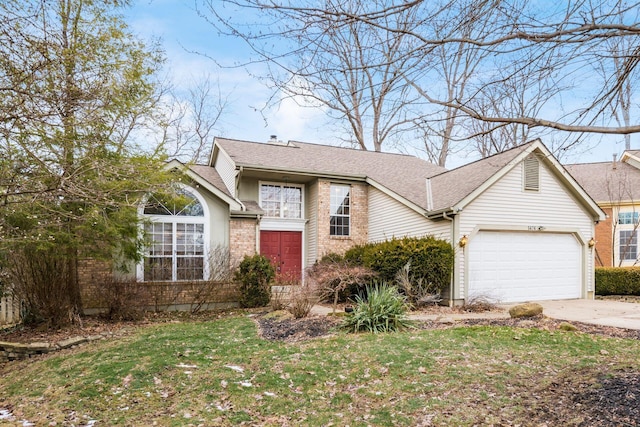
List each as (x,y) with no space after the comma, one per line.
(255,274)
(302,298)
(122,299)
(336,280)
(431,260)
(617,281)
(41,279)
(382,310)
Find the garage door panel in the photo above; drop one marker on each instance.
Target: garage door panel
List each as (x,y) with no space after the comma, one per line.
(513,267)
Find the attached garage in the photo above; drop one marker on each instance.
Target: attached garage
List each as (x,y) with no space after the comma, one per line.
(508,266)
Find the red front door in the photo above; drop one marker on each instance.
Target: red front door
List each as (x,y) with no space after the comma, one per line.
(284,249)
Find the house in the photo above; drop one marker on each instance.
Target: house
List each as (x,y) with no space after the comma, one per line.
(615,186)
(520,224)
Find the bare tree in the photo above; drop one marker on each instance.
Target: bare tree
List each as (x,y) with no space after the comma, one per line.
(552,42)
(455,66)
(347,66)
(190,120)
(617,69)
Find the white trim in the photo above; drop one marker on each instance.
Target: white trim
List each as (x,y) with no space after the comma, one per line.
(282,184)
(282,224)
(396,196)
(234,204)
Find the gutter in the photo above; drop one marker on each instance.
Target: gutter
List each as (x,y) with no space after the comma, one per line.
(305,172)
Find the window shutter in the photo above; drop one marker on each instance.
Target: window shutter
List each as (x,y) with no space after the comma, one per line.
(531,174)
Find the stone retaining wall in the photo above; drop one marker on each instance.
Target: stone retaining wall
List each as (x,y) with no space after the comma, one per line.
(17,351)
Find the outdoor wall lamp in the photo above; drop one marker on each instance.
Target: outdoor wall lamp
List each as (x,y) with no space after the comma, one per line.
(592,242)
(463,241)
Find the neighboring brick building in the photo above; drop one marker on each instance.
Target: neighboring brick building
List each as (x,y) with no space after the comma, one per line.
(615,186)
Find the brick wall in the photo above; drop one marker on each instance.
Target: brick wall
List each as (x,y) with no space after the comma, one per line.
(359,220)
(604,240)
(242,238)
(92,275)
(98,288)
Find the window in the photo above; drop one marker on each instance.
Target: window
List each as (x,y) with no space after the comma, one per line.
(340,210)
(531,174)
(628,217)
(176,238)
(628,245)
(281,201)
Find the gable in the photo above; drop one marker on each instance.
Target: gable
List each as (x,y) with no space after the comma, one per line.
(524,162)
(508,202)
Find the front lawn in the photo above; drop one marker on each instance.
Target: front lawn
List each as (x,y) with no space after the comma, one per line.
(221,372)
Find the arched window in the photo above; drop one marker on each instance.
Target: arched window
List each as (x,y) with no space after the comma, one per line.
(175,229)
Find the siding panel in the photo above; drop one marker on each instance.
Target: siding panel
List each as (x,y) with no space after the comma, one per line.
(389,218)
(312,224)
(227,170)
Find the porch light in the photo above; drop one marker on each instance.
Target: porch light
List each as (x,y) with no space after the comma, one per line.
(592,242)
(463,241)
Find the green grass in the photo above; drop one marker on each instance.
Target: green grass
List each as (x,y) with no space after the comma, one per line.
(183,374)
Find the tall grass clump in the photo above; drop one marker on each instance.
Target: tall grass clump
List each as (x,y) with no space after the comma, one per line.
(382,309)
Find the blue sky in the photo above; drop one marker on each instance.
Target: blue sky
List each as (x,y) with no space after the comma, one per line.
(183,33)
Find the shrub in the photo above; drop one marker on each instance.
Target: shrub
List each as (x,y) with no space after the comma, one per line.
(617,280)
(431,260)
(417,293)
(302,298)
(41,279)
(255,274)
(337,281)
(382,310)
(355,255)
(122,299)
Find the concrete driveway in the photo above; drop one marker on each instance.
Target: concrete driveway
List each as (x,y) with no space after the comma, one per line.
(598,312)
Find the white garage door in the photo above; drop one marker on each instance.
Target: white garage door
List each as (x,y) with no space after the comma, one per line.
(516,267)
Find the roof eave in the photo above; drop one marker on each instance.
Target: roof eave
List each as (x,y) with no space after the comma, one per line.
(408,203)
(176,164)
(304,172)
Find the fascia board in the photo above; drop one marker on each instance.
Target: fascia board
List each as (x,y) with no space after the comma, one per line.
(397,197)
(175,164)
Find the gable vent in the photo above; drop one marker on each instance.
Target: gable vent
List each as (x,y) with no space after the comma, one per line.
(531,174)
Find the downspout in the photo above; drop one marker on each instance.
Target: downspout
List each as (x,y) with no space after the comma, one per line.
(456,272)
(258,219)
(238,176)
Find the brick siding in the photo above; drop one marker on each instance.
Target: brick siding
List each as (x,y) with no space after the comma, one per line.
(242,238)
(99,288)
(604,240)
(359,221)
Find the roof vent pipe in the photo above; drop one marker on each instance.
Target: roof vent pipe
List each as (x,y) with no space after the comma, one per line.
(614,165)
(273,139)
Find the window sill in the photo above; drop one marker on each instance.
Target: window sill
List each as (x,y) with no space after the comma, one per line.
(340,237)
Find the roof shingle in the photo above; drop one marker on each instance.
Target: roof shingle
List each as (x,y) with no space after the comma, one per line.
(402,174)
(606,184)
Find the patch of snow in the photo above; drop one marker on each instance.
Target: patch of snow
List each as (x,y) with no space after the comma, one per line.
(5,414)
(235,368)
(182,365)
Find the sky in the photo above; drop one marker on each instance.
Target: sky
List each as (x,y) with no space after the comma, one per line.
(190,42)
